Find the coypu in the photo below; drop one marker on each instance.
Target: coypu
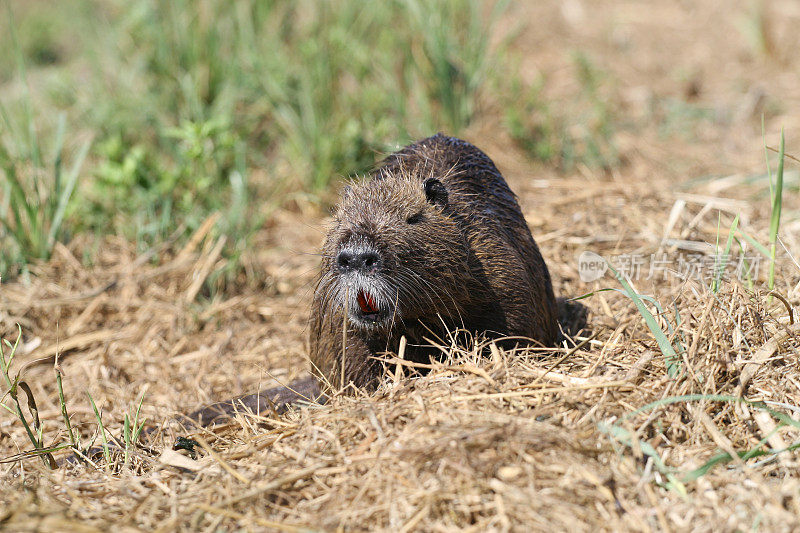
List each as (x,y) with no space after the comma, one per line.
(431,242)
(434,241)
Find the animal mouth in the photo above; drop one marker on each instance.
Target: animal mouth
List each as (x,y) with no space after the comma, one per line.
(366,309)
(367,305)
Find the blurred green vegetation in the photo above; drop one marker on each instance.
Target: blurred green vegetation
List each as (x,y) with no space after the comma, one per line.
(578,129)
(196,106)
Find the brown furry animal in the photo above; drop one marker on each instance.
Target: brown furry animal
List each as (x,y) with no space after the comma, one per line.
(432,242)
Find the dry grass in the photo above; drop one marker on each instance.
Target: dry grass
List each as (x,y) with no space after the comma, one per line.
(513,441)
(483,442)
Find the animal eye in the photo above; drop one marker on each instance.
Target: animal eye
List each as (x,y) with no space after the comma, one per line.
(415,218)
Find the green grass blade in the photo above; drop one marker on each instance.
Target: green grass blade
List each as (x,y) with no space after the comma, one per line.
(33,141)
(766,153)
(719,223)
(57,161)
(10,126)
(760,248)
(725,256)
(106,452)
(34,435)
(14,348)
(775,219)
(8,228)
(137,427)
(623,436)
(745,265)
(725,457)
(38,452)
(671,358)
(626,438)
(126,435)
(64,414)
(20,205)
(66,194)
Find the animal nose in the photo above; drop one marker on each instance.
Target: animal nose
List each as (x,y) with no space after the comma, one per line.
(358,261)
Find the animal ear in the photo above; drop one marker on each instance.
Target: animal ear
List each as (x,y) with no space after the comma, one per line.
(435,192)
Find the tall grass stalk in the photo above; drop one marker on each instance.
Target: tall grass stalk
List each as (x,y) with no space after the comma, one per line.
(131,429)
(63,404)
(101,429)
(454,56)
(775,218)
(32,208)
(14,385)
(36,207)
(722,261)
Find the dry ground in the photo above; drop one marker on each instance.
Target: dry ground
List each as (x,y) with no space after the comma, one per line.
(513,442)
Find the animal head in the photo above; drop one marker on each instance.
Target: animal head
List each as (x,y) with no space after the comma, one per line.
(394,253)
